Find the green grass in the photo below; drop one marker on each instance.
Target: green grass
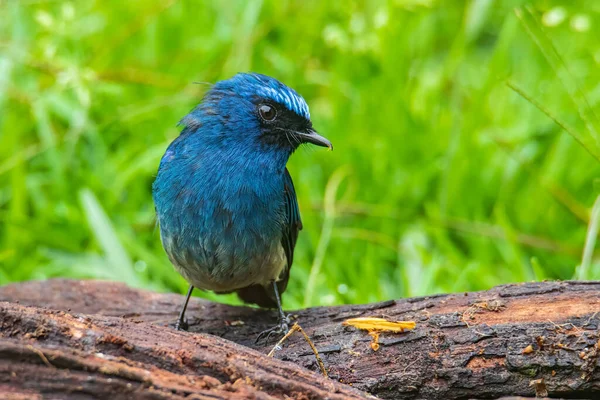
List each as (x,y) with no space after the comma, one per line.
(466,137)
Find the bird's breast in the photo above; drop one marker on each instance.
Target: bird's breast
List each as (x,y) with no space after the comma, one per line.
(221,227)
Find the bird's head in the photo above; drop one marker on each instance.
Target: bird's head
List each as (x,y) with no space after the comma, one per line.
(254,111)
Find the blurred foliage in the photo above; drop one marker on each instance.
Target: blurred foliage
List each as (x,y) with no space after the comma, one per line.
(466,136)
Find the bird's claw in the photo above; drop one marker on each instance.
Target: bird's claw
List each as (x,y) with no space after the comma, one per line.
(182,325)
(280,329)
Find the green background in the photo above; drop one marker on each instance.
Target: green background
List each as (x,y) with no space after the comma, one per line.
(465,133)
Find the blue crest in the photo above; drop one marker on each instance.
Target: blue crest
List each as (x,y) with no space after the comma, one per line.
(271,88)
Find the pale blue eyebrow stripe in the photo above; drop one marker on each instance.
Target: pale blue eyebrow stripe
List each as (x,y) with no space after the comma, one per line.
(290,100)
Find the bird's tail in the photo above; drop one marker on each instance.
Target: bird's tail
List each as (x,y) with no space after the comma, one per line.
(259,295)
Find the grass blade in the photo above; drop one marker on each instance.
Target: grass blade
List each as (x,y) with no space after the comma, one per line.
(104,232)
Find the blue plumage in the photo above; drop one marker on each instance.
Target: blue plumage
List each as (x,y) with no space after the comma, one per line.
(225,202)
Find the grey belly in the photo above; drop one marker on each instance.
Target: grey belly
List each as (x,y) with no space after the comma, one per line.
(220,272)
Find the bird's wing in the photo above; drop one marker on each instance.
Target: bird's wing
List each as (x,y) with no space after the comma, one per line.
(291,228)
(263,295)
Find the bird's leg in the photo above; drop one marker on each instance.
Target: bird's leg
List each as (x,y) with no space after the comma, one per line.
(284,321)
(181,324)
(282,326)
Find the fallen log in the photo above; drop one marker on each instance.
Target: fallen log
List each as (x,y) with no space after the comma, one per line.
(104,339)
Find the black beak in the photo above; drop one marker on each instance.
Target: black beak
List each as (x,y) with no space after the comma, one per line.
(313,137)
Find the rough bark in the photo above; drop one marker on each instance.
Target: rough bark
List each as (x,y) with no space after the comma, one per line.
(103,339)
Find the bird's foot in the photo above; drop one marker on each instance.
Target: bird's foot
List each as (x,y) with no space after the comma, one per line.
(182,325)
(280,329)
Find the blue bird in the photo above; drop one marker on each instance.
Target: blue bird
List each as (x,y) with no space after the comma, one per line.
(225,201)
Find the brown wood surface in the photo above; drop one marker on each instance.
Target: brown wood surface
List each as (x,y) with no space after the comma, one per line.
(91,339)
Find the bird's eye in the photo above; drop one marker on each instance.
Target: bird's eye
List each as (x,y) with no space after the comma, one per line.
(267,112)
